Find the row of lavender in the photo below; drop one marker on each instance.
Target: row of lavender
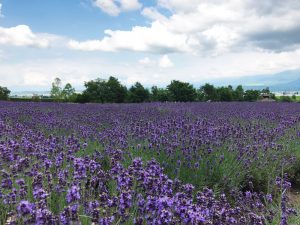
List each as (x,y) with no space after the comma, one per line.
(147,163)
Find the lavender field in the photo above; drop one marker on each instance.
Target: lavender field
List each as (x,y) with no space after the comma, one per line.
(155,163)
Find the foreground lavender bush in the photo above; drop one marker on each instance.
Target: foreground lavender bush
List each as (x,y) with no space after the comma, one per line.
(191,163)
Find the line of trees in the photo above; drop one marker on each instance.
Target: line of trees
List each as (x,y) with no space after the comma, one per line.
(112,91)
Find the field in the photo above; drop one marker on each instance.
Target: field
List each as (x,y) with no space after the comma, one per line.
(171,163)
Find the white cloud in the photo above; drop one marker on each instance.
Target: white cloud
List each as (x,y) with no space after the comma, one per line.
(218,38)
(207,27)
(165,62)
(130,5)
(108,6)
(179,5)
(155,39)
(115,7)
(22,35)
(37,74)
(153,14)
(145,61)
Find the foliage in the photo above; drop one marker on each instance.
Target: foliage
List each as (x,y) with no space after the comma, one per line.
(181,91)
(36,98)
(96,90)
(103,91)
(159,94)
(286,99)
(56,91)
(68,93)
(112,91)
(116,92)
(209,91)
(225,94)
(238,94)
(251,95)
(4,93)
(137,93)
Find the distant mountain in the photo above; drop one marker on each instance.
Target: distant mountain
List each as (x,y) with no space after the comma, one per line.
(290,86)
(284,81)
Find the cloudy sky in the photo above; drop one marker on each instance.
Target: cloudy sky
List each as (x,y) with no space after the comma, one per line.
(151,41)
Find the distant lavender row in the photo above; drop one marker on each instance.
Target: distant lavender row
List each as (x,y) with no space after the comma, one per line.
(184,163)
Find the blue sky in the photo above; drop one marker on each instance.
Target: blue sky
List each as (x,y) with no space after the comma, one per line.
(73,18)
(148,41)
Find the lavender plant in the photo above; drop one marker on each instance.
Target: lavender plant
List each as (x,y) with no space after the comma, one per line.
(173,163)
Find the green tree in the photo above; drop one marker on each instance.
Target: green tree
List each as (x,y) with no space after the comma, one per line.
(251,95)
(200,95)
(68,93)
(137,93)
(238,94)
(225,94)
(210,92)
(81,98)
(56,91)
(36,98)
(181,91)
(266,90)
(116,92)
(285,99)
(96,91)
(159,94)
(4,93)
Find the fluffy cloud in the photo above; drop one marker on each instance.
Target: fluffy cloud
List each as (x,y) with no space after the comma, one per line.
(155,39)
(130,5)
(22,35)
(108,6)
(115,7)
(36,74)
(153,14)
(165,62)
(207,27)
(145,61)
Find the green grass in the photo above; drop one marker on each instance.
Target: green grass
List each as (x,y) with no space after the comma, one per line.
(297,98)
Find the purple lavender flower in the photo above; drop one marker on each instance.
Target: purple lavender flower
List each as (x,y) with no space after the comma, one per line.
(73,194)
(25,208)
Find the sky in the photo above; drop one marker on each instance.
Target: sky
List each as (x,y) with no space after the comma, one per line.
(150,41)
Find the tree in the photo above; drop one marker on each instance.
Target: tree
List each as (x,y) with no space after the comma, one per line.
(56,92)
(103,91)
(116,92)
(159,94)
(285,99)
(68,93)
(181,91)
(266,90)
(81,98)
(225,94)
(96,91)
(210,92)
(238,94)
(4,93)
(200,95)
(251,95)
(137,93)
(36,98)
